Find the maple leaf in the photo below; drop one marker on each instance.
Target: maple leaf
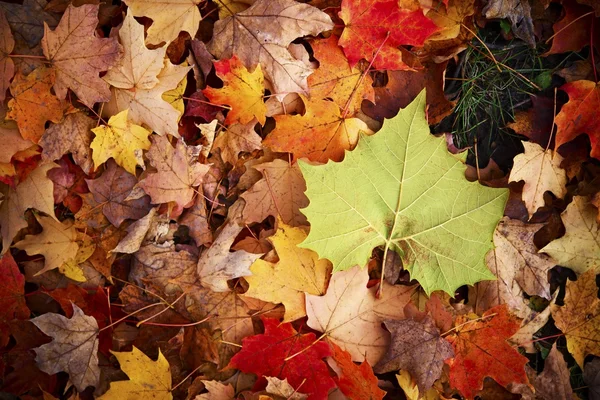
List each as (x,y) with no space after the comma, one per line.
(579,318)
(591,376)
(122,140)
(481,350)
(33,104)
(73,135)
(541,171)
(11,142)
(280,192)
(283,388)
(140,80)
(386,191)
(7,44)
(355,381)
(321,134)
(418,348)
(518,14)
(74,348)
(374,29)
(336,79)
(350,314)
(217,264)
(217,391)
(178,172)
(168,19)
(78,56)
(578,115)
(536,122)
(230,7)
(57,242)
(257,36)
(532,322)
(146,377)
(297,272)
(573,31)
(242,90)
(112,189)
(267,355)
(12,301)
(555,381)
(33,192)
(237,138)
(579,248)
(196,219)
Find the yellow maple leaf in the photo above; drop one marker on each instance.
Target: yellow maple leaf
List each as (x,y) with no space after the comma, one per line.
(297,271)
(579,318)
(147,378)
(175,96)
(243,91)
(122,140)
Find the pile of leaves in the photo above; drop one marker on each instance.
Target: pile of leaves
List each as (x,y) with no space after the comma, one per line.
(242,199)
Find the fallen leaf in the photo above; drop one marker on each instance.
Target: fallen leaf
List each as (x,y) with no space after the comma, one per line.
(11,143)
(591,376)
(33,104)
(280,193)
(408,385)
(356,381)
(146,377)
(350,314)
(168,19)
(518,14)
(78,55)
(7,44)
(122,140)
(27,20)
(242,90)
(579,318)
(535,122)
(217,391)
(12,302)
(34,192)
(178,172)
(237,138)
(256,36)
(578,115)
(378,194)
(74,348)
(283,388)
(196,219)
(481,350)
(320,134)
(555,381)
(579,248)
(268,355)
(112,189)
(73,135)
(57,242)
(374,29)
(418,348)
(531,324)
(297,272)
(335,79)
(136,233)
(573,31)
(230,7)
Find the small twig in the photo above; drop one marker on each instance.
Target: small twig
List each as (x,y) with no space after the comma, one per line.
(468,322)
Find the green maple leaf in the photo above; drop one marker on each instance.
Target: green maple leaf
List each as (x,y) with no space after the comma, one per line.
(401,188)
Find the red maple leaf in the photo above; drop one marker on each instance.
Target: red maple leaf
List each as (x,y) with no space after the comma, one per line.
(375,27)
(482,350)
(12,299)
(266,354)
(580,115)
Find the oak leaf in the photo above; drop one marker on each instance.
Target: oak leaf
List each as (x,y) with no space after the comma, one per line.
(579,248)
(140,80)
(297,272)
(33,192)
(579,318)
(578,115)
(351,315)
(355,381)
(321,134)
(168,19)
(78,55)
(57,242)
(33,104)
(122,140)
(417,347)
(178,172)
(74,348)
(12,301)
(280,192)
(481,350)
(336,79)
(237,138)
(267,355)
(147,378)
(242,89)
(384,193)
(73,135)
(7,44)
(257,36)
(111,191)
(374,29)
(541,171)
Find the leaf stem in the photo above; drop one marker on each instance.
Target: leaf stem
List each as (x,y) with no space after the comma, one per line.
(468,322)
